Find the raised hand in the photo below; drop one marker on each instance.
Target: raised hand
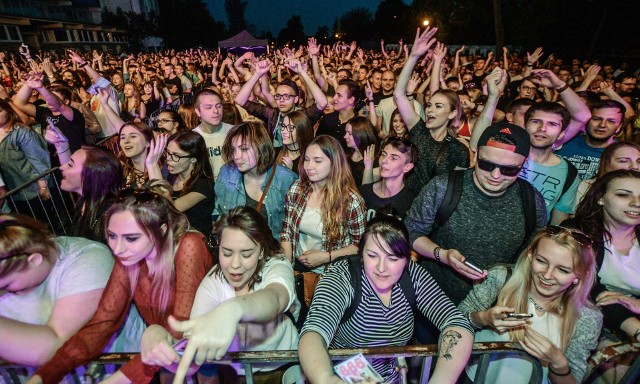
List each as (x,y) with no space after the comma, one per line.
(368,91)
(459,51)
(34,80)
(423,41)
(439,52)
(414,81)
(156,149)
(293,64)
(103,94)
(546,78)
(369,156)
(496,81)
(75,57)
(262,67)
(533,58)
(313,47)
(592,72)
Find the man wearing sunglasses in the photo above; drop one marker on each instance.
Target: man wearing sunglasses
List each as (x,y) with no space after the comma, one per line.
(488,224)
(286,97)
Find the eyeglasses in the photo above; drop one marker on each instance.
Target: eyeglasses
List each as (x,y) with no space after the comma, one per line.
(505,170)
(577,235)
(284,97)
(174,156)
(141,195)
(162,121)
(288,127)
(527,88)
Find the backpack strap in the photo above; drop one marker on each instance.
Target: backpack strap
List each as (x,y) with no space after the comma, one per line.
(572,173)
(355,272)
(529,207)
(451,198)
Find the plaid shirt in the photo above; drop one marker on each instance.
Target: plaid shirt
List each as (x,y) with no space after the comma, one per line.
(353,226)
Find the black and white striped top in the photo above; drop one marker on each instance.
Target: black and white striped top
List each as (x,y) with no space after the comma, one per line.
(373,324)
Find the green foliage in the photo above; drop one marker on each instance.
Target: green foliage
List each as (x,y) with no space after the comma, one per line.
(293,31)
(188,23)
(355,25)
(235,14)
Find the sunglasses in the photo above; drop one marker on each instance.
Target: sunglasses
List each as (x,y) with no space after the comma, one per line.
(577,235)
(505,170)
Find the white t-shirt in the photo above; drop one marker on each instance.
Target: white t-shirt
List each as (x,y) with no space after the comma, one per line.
(310,230)
(512,368)
(214,142)
(386,107)
(620,272)
(279,334)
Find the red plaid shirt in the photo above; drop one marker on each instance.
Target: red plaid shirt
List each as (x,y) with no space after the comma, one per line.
(353,225)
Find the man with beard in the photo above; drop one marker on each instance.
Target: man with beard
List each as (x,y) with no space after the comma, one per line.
(584,151)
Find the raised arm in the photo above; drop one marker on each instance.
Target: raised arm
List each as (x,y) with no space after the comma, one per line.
(84,65)
(112,116)
(296,66)
(579,111)
(260,69)
(439,52)
(589,76)
(532,59)
(314,49)
(421,45)
(496,82)
(21,98)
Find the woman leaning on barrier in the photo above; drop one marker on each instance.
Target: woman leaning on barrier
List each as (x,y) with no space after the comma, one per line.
(543,303)
(23,155)
(240,305)
(391,288)
(159,265)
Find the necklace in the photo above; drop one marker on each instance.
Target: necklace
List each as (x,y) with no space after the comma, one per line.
(537,306)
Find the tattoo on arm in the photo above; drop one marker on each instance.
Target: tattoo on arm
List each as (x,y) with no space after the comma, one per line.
(447,341)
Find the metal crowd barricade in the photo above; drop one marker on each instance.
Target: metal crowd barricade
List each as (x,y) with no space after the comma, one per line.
(247,359)
(55,211)
(612,352)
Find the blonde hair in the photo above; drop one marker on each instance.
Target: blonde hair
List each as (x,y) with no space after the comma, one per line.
(337,189)
(569,304)
(21,236)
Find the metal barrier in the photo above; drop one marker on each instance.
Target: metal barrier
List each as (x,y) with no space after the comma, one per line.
(247,359)
(612,352)
(55,210)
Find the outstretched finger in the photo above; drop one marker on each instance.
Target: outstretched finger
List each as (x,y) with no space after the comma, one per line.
(185,363)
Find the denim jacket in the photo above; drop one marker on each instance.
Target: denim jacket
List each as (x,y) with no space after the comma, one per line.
(230,193)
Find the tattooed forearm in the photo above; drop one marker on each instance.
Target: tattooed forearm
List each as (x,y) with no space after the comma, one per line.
(448,340)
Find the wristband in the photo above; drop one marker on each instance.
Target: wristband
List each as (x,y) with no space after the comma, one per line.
(528,65)
(371,100)
(68,149)
(329,256)
(436,254)
(560,374)
(83,64)
(636,334)
(563,88)
(474,325)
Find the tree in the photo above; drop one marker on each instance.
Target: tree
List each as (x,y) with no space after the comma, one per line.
(235,14)
(188,23)
(356,25)
(323,34)
(137,25)
(391,21)
(293,32)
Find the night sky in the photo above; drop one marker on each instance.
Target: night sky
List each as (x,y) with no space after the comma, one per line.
(314,13)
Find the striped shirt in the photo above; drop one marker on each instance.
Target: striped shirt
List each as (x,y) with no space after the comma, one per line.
(373,324)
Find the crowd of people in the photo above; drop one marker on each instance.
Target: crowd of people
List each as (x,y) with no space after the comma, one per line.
(318,197)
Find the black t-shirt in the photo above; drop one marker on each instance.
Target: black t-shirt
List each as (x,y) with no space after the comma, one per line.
(200,214)
(330,125)
(434,157)
(401,201)
(378,96)
(72,129)
(175,81)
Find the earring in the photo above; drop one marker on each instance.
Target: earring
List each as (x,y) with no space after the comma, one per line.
(575,281)
(261,255)
(600,202)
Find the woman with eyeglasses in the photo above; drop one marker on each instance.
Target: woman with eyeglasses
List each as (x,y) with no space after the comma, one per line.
(610,214)
(240,305)
(159,265)
(170,122)
(297,133)
(192,178)
(543,303)
(251,175)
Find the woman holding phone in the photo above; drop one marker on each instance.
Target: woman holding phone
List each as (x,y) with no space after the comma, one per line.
(543,303)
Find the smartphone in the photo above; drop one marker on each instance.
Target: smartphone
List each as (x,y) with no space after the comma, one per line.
(180,345)
(468,264)
(514,315)
(55,129)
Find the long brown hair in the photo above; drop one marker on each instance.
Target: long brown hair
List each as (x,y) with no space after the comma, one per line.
(336,191)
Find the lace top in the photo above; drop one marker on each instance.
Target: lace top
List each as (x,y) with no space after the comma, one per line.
(192,262)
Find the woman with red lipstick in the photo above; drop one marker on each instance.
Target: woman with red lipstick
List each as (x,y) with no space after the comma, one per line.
(384,315)
(325,215)
(240,305)
(550,284)
(159,265)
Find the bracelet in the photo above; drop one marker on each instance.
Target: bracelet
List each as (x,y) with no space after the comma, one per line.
(329,256)
(560,374)
(563,88)
(636,334)
(473,324)
(528,65)
(83,64)
(436,253)
(371,100)
(68,149)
